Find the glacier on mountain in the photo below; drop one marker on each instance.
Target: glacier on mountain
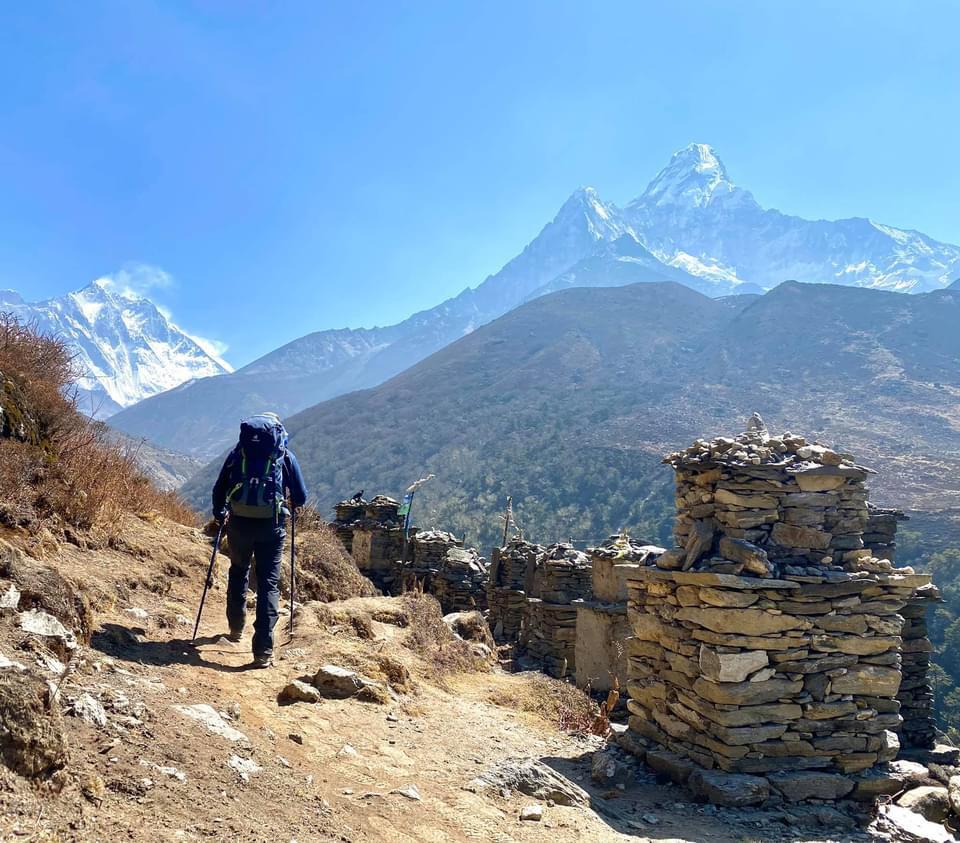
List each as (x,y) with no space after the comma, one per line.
(125,347)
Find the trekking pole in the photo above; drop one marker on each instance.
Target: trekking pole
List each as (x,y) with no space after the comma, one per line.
(293,565)
(209,581)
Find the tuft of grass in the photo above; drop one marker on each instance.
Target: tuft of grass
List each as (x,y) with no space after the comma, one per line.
(325,571)
(430,638)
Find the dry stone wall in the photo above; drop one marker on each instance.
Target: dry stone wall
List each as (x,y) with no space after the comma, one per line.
(512,577)
(916,693)
(602,627)
(549,633)
(441,566)
(768,644)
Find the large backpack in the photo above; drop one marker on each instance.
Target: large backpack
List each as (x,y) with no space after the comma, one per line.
(256,472)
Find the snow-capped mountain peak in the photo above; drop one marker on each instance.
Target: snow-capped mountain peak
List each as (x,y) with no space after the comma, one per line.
(127,348)
(695,177)
(585,206)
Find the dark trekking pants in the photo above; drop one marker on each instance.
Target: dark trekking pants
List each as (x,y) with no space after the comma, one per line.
(261,540)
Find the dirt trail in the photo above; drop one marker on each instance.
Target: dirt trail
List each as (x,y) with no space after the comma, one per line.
(327,771)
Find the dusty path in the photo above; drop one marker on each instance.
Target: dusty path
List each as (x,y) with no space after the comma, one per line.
(335,770)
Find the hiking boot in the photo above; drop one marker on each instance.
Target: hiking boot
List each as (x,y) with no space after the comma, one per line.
(235,637)
(262,661)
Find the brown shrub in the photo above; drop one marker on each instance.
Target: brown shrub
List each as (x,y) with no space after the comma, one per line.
(396,673)
(562,704)
(57,465)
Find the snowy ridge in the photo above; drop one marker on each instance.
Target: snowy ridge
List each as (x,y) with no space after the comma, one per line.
(694,217)
(128,350)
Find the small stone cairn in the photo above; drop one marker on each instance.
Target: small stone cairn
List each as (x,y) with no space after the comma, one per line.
(512,573)
(549,633)
(602,627)
(456,576)
(376,538)
(767,645)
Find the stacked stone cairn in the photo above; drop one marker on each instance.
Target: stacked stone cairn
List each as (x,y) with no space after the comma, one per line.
(441,566)
(512,576)
(881,531)
(348,515)
(602,628)
(767,645)
(549,634)
(916,693)
(377,542)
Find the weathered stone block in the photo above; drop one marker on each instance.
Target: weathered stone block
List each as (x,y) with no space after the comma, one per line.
(731,667)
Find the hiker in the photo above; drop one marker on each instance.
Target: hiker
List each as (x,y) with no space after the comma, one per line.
(249,496)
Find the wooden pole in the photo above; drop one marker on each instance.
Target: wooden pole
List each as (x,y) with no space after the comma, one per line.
(507,517)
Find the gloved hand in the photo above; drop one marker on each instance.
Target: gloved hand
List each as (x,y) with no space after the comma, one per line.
(220,517)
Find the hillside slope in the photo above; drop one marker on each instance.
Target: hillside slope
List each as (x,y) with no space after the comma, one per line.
(692,225)
(569,402)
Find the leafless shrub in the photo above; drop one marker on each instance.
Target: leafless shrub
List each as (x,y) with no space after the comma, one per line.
(59,465)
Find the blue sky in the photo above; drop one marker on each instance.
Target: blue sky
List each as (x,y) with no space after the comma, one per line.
(297,166)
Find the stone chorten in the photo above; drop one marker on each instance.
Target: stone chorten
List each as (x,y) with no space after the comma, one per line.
(767,645)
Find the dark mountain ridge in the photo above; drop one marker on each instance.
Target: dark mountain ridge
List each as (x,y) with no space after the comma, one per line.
(569,402)
(692,225)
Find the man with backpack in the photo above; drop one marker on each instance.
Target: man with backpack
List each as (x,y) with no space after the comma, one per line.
(250,492)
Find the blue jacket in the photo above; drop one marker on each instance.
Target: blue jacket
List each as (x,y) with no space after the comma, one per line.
(293,483)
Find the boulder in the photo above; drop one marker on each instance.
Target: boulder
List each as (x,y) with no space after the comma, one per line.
(856,645)
(32,742)
(607,771)
(725,496)
(677,768)
(46,626)
(906,826)
(532,778)
(887,779)
(800,785)
(299,691)
(90,710)
(723,598)
(746,693)
(340,683)
(789,535)
(732,790)
(531,813)
(932,803)
(953,793)
(753,558)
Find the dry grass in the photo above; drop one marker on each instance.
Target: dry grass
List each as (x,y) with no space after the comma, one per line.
(560,703)
(430,638)
(57,465)
(324,570)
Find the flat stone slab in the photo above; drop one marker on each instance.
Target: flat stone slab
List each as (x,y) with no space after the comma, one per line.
(732,790)
(710,578)
(210,718)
